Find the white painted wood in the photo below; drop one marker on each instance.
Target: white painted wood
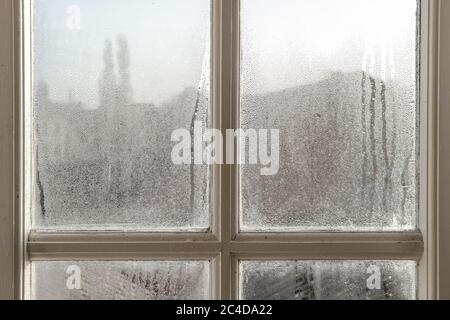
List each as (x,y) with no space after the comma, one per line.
(444,152)
(427,288)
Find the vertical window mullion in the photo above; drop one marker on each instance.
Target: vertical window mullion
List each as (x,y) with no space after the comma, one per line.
(229,120)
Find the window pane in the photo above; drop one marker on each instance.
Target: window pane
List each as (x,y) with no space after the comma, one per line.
(327,280)
(120,280)
(338,79)
(112,80)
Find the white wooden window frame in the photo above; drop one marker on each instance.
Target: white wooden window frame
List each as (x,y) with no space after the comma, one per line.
(224,246)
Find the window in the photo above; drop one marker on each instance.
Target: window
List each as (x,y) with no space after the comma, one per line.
(102,78)
(342,93)
(339,81)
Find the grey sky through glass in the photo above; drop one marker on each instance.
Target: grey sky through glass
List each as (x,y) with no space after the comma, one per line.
(70,61)
(294,41)
(73,57)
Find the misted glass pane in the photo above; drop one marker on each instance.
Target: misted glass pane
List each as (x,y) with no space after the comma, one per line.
(153,280)
(328,280)
(338,79)
(112,80)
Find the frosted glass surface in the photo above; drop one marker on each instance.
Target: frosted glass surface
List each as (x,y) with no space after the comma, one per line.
(338,79)
(327,280)
(120,280)
(112,80)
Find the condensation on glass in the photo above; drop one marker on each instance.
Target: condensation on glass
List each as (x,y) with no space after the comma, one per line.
(111,81)
(89,280)
(328,280)
(338,79)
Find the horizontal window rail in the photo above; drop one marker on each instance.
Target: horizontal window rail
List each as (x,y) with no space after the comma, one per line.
(315,246)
